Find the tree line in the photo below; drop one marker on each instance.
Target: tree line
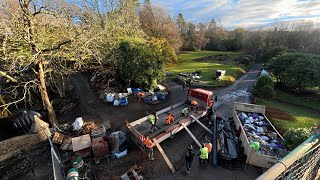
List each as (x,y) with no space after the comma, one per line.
(43,42)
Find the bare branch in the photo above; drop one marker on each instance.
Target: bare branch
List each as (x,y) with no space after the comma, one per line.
(2,73)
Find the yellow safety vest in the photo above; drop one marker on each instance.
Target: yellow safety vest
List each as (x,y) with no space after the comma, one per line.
(204,153)
(153,119)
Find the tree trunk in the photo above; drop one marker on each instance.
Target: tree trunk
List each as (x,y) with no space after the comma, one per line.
(44,95)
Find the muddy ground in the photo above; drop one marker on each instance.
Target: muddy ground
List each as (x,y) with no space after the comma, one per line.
(36,163)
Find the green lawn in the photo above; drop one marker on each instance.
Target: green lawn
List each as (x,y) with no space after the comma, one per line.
(187,65)
(283,96)
(303,118)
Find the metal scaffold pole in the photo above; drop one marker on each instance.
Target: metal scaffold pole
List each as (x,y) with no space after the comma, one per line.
(214,140)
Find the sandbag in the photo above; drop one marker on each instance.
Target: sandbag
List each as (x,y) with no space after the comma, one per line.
(129,90)
(116,103)
(124,101)
(154,98)
(110,97)
(161,96)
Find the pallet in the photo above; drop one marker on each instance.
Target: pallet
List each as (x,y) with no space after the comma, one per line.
(58,138)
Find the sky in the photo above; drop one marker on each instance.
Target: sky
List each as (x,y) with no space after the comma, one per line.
(243,13)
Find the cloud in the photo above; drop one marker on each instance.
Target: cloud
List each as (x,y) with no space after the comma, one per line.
(232,13)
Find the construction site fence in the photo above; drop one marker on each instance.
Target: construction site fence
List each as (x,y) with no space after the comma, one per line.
(58,170)
(302,163)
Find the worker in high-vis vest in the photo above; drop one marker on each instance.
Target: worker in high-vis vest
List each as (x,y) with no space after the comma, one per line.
(194,104)
(153,119)
(169,119)
(184,111)
(203,156)
(209,146)
(149,148)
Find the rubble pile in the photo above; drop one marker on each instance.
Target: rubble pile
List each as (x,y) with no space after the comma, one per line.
(258,129)
(84,143)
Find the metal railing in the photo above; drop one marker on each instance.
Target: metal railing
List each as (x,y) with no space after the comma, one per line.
(58,170)
(302,163)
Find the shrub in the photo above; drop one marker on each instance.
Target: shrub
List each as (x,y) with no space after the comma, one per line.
(264,81)
(245,61)
(264,87)
(294,137)
(267,91)
(250,57)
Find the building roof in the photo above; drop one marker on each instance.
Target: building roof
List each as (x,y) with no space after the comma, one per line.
(203,91)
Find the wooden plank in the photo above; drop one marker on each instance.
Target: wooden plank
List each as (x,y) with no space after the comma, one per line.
(190,133)
(165,157)
(202,125)
(81,142)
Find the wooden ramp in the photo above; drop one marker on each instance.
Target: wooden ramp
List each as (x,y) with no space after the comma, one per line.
(165,157)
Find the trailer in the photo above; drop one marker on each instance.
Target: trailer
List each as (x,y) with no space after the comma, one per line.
(141,128)
(255,158)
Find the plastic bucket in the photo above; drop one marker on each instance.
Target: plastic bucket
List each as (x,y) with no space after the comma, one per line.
(78,163)
(73,174)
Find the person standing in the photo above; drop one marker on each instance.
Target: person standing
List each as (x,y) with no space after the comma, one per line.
(209,146)
(203,156)
(189,158)
(185,111)
(195,105)
(169,119)
(153,120)
(189,83)
(210,113)
(149,148)
(183,84)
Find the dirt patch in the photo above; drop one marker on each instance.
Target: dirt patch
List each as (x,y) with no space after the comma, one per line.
(278,114)
(217,57)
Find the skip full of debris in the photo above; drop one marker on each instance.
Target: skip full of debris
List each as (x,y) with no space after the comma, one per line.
(258,129)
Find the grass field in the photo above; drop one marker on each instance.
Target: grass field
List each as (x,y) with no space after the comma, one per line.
(303,117)
(187,64)
(309,103)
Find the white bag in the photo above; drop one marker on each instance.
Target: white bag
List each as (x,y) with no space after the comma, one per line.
(110,98)
(129,90)
(116,103)
(154,98)
(78,123)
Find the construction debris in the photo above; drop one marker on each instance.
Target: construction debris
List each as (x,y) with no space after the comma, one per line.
(100,148)
(81,142)
(88,127)
(58,138)
(259,130)
(133,173)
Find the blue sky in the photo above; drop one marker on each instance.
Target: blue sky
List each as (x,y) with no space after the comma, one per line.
(244,13)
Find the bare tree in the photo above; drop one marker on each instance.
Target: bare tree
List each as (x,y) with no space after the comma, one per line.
(32,41)
(157,23)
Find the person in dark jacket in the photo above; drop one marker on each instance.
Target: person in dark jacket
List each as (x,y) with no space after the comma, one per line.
(189,158)
(210,113)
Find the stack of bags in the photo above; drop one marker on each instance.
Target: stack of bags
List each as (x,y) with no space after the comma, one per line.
(258,129)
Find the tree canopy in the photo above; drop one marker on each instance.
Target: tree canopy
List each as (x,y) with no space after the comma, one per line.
(296,70)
